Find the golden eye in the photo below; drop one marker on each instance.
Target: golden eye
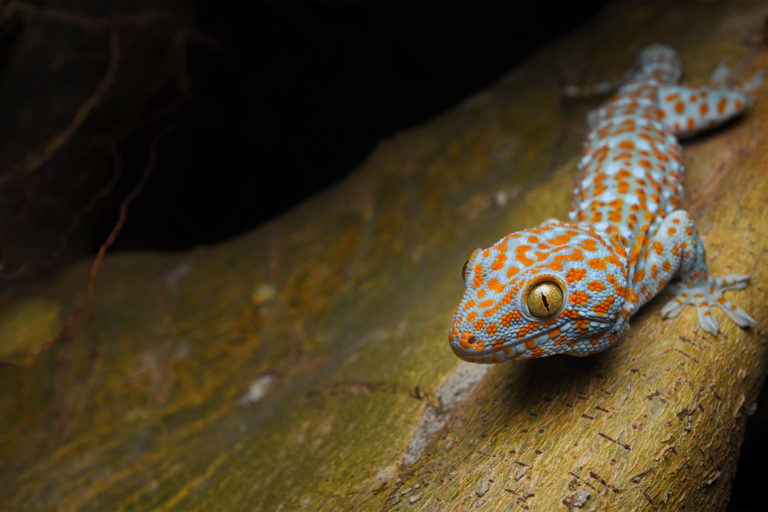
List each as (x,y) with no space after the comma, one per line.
(545,299)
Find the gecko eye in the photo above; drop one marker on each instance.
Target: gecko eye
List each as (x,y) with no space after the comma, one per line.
(466,264)
(545,299)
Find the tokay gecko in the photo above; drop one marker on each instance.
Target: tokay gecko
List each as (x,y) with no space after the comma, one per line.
(571,287)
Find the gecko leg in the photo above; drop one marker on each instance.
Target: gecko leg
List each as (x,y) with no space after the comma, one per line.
(676,251)
(689,109)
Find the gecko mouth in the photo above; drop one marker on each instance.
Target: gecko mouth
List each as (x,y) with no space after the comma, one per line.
(489,348)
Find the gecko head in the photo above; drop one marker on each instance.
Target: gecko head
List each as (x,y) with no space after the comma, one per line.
(559,288)
(660,61)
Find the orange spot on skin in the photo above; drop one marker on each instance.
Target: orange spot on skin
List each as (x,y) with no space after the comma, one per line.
(523,331)
(613,260)
(680,107)
(658,248)
(589,245)
(576,255)
(471,316)
(561,239)
(666,266)
(703,109)
(521,257)
(481,294)
(478,280)
(737,105)
(494,285)
(596,286)
(512,271)
(507,319)
(530,344)
(469,304)
(494,309)
(491,329)
(721,106)
(486,253)
(639,275)
(479,324)
(575,274)
(579,298)
(537,352)
(499,263)
(602,308)
(627,144)
(597,264)
(620,290)
(691,123)
(486,303)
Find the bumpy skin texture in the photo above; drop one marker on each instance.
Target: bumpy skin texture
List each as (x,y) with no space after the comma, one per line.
(627,237)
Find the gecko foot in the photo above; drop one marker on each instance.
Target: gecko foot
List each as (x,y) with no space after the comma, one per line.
(755,82)
(720,75)
(706,296)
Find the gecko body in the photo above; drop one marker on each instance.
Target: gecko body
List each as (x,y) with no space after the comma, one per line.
(571,287)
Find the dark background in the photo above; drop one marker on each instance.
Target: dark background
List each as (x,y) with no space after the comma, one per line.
(299,94)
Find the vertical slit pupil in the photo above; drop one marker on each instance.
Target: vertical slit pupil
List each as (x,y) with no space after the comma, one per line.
(544,300)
